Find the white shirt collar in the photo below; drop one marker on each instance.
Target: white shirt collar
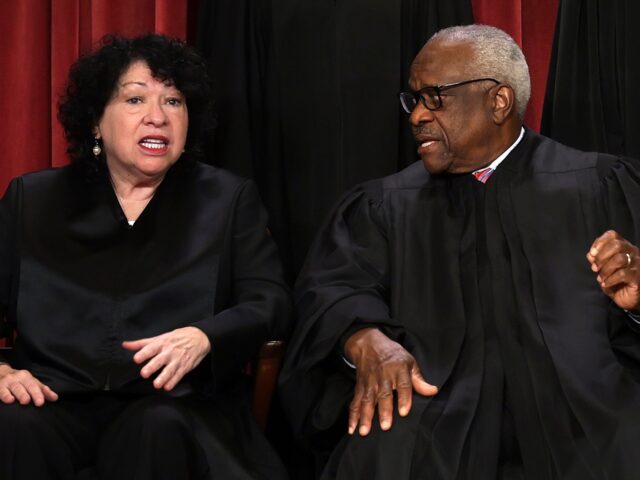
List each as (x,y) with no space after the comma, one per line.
(499,160)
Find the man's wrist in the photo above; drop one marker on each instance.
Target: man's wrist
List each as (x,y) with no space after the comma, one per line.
(352,344)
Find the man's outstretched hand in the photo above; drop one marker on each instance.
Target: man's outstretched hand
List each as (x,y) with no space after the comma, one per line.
(382,366)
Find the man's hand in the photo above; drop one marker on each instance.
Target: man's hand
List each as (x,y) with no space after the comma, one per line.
(176,353)
(20,385)
(615,260)
(382,366)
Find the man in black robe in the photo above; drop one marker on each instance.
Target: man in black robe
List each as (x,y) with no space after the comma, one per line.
(494,309)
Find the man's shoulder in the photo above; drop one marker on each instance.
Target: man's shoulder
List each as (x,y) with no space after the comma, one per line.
(415,176)
(546,155)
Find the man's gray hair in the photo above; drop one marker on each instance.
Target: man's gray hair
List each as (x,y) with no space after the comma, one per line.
(497,56)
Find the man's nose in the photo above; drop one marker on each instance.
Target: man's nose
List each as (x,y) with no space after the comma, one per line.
(420,114)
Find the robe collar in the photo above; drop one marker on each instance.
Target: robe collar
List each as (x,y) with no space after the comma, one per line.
(494,165)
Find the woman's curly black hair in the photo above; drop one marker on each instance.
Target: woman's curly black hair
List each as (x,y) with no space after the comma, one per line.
(93,80)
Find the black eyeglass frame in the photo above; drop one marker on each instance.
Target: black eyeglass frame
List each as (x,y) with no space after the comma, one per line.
(415,97)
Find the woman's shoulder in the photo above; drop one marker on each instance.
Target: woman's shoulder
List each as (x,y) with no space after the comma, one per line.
(215,179)
(210,173)
(46,178)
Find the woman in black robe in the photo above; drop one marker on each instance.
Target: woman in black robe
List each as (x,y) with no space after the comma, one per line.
(139,282)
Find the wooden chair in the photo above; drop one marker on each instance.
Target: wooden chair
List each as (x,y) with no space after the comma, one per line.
(265,374)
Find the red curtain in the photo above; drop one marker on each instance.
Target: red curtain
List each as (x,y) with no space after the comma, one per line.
(39,40)
(532,24)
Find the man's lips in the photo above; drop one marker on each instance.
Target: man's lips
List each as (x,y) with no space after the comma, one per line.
(425,144)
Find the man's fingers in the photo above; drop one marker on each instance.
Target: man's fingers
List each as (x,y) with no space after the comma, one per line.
(614,280)
(600,261)
(612,257)
(614,271)
(420,385)
(385,405)
(367,410)
(354,410)
(598,243)
(383,366)
(404,387)
(603,248)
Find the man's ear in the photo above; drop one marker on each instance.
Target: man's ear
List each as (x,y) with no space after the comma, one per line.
(504,103)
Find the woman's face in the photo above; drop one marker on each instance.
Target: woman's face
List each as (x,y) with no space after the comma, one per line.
(143,126)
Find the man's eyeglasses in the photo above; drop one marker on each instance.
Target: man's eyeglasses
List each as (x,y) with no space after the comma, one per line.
(430,96)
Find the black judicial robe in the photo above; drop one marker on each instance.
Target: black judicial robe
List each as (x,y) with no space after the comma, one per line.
(489,288)
(76,280)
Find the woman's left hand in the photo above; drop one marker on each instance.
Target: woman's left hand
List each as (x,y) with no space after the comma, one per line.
(174,354)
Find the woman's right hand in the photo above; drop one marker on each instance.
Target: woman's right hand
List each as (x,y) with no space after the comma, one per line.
(20,385)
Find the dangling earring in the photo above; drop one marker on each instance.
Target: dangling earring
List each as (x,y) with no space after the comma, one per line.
(96,148)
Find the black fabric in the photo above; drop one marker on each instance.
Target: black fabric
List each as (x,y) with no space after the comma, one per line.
(308,97)
(489,288)
(592,92)
(112,436)
(237,40)
(78,280)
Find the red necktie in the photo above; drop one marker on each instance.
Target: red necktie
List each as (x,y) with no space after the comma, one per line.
(483,175)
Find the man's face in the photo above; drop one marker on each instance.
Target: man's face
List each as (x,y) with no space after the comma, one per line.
(456,138)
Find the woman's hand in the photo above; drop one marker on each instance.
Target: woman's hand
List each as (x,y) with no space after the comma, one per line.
(20,385)
(175,353)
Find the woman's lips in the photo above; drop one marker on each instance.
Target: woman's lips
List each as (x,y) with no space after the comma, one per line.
(154,145)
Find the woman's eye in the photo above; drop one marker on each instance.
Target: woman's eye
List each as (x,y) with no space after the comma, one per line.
(174,101)
(134,100)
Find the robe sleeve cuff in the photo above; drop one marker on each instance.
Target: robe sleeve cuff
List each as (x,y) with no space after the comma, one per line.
(634,321)
(234,337)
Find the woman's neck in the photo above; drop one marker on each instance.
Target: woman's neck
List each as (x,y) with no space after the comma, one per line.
(133,194)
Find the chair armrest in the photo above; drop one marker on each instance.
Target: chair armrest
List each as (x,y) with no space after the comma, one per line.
(266,372)
(7,334)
